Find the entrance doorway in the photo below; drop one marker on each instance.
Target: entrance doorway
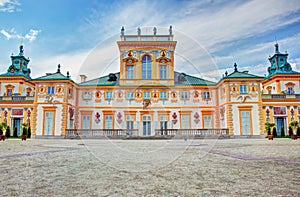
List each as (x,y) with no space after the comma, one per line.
(280,122)
(17,124)
(146,125)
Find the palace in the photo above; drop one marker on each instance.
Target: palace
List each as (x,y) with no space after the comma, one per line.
(147,97)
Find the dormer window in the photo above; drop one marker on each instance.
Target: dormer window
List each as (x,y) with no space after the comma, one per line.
(290,90)
(50,90)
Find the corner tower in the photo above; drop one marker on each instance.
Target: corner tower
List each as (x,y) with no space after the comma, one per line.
(147,59)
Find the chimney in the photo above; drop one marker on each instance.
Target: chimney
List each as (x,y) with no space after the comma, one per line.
(245,72)
(83,78)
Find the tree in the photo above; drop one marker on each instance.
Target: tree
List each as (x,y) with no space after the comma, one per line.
(274,132)
(1,130)
(15,132)
(282,134)
(29,133)
(7,133)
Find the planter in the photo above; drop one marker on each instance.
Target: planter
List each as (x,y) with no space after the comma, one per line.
(23,137)
(294,137)
(270,137)
(2,137)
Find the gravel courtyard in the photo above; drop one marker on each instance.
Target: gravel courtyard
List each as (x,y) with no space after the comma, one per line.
(245,167)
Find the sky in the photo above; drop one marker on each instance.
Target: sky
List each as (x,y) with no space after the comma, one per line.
(211,35)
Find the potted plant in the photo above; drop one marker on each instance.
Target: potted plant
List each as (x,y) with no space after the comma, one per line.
(274,132)
(29,133)
(268,127)
(294,125)
(7,133)
(24,131)
(2,137)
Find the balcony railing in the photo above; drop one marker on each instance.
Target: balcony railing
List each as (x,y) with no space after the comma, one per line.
(17,98)
(121,133)
(101,132)
(280,96)
(192,132)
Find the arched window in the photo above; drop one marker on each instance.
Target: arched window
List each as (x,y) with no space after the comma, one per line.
(146,67)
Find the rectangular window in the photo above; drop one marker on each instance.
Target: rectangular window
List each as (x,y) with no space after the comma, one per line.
(146,95)
(108,95)
(129,72)
(243,89)
(206,95)
(207,121)
(108,122)
(87,96)
(50,90)
(163,72)
(129,124)
(9,92)
(163,95)
(290,90)
(184,95)
(185,121)
(130,95)
(86,122)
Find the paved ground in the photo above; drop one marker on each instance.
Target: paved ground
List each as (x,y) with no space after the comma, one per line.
(150,168)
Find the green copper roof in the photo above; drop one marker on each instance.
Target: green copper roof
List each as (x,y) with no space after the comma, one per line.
(53,76)
(102,81)
(184,79)
(238,74)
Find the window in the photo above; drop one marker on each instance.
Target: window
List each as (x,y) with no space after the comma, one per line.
(146,95)
(86,122)
(185,121)
(163,124)
(129,72)
(49,123)
(243,89)
(50,90)
(129,124)
(290,90)
(163,95)
(130,95)
(206,95)
(87,96)
(163,72)
(146,67)
(9,92)
(184,95)
(108,122)
(146,125)
(108,95)
(207,121)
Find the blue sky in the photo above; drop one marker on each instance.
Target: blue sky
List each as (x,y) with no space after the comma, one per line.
(212,35)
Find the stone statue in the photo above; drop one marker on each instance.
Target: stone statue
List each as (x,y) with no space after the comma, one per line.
(139,31)
(170,30)
(154,31)
(122,31)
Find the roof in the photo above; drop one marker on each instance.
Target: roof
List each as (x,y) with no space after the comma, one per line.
(15,74)
(53,76)
(102,81)
(238,74)
(184,79)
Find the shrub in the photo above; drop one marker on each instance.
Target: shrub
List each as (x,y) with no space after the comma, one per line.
(282,134)
(24,132)
(274,132)
(298,131)
(290,131)
(15,132)
(29,132)
(1,131)
(7,134)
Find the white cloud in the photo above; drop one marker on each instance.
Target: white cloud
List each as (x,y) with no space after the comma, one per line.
(30,36)
(9,6)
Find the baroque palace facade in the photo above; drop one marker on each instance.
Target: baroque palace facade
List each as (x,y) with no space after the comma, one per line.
(148,97)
